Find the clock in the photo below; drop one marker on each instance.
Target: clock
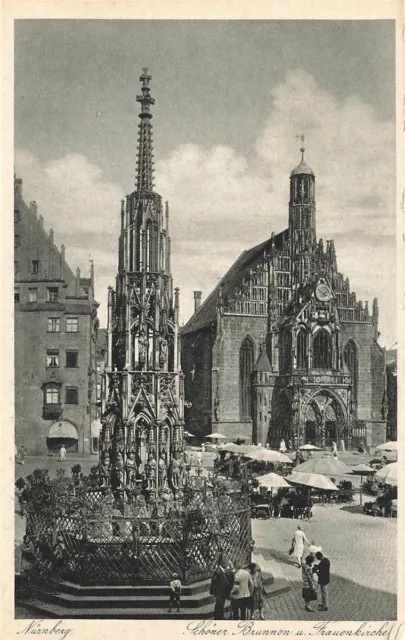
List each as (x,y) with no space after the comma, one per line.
(323,292)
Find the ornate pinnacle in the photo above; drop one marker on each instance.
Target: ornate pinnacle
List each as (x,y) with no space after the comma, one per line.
(144,177)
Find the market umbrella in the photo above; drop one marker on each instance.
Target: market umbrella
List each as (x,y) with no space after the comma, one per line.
(244,449)
(187,434)
(272,481)
(216,436)
(309,447)
(362,470)
(388,474)
(230,448)
(315,480)
(268,455)
(327,466)
(388,446)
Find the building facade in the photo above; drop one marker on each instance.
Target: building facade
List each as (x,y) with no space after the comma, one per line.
(141,442)
(55,317)
(282,348)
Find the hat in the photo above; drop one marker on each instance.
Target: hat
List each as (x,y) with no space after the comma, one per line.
(175,575)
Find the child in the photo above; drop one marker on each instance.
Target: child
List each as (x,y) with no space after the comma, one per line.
(256,601)
(175,591)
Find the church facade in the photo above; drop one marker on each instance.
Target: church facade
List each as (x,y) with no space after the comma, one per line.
(282,348)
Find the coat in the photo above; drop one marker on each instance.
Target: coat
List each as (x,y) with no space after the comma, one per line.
(298,542)
(323,571)
(221,583)
(242,585)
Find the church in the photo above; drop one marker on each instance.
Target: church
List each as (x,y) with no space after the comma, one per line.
(282,348)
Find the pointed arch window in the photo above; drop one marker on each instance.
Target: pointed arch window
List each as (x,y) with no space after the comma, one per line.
(286,348)
(322,353)
(351,360)
(301,350)
(148,246)
(245,371)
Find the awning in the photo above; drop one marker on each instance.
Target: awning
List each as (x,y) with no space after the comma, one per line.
(95,428)
(63,429)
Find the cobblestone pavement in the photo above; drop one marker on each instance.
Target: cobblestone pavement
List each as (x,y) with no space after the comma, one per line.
(362,551)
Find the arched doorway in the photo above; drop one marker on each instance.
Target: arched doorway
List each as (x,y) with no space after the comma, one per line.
(61,433)
(324,420)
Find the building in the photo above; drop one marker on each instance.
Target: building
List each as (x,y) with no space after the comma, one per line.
(392,390)
(56,324)
(142,394)
(282,348)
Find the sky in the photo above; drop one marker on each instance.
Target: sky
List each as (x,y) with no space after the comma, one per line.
(231,99)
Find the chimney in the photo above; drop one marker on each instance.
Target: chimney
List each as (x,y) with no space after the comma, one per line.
(17,186)
(51,237)
(197,300)
(77,282)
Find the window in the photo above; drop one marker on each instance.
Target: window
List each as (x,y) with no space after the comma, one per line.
(52,358)
(17,241)
(72,395)
(98,391)
(322,350)
(72,359)
(34,266)
(52,394)
(16,295)
(16,215)
(72,325)
(301,350)
(245,372)
(54,325)
(33,294)
(350,358)
(16,268)
(285,351)
(95,444)
(53,294)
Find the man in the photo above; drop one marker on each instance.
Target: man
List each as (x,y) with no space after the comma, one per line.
(241,593)
(221,585)
(323,572)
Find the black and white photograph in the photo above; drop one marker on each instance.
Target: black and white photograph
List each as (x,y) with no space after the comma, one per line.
(205,323)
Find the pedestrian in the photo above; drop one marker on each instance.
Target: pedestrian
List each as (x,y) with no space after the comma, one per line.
(241,593)
(298,542)
(23,454)
(308,583)
(175,592)
(256,603)
(322,569)
(283,447)
(342,445)
(59,553)
(62,453)
(27,555)
(221,586)
(313,549)
(334,448)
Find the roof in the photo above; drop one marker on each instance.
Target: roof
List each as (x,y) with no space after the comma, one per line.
(206,315)
(262,363)
(300,169)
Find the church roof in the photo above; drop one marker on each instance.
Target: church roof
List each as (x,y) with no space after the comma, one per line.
(301,169)
(263,363)
(206,315)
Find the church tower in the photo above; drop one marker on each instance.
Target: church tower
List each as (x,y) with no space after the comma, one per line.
(142,437)
(302,220)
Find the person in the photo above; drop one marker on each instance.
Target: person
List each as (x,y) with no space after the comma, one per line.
(27,555)
(334,449)
(23,454)
(322,569)
(221,586)
(313,549)
(298,542)
(62,453)
(256,602)
(283,447)
(342,445)
(175,592)
(308,583)
(241,593)
(59,553)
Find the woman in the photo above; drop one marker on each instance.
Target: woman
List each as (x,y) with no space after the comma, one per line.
(256,603)
(27,555)
(308,583)
(298,542)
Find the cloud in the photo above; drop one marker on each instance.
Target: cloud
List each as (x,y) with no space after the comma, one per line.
(222,204)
